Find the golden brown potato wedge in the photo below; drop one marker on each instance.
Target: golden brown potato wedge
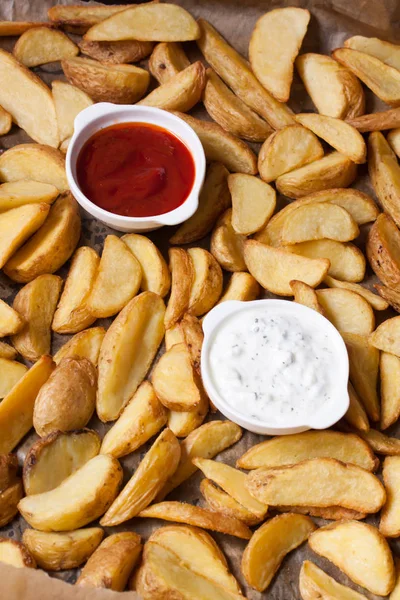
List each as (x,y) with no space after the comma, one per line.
(377,302)
(331,513)
(69,101)
(385,337)
(381,443)
(17,225)
(333,170)
(385,51)
(51,246)
(36,302)
(78,500)
(9,499)
(5,121)
(67,400)
(112,562)
(220,145)
(286,150)
(85,344)
(127,351)
(15,553)
(223,503)
(60,551)
(18,193)
(183,423)
(389,368)
(8,470)
(274,44)
(237,74)
(241,286)
(182,275)
(369,563)
(55,457)
(167,60)
(289,450)
(28,100)
(306,295)
(226,245)
(158,465)
(395,595)
(147,22)
(275,268)
(155,273)
(193,337)
(35,162)
(384,172)
(11,372)
(356,415)
(116,53)
(387,119)
(270,544)
(389,524)
(10,321)
(314,584)
(16,410)
(120,84)
(78,18)
(337,133)
(383,251)
(214,200)
(334,90)
(393,137)
(8,28)
(207,282)
(181,92)
(349,312)
(41,45)
(207,441)
(253,203)
(142,418)
(229,111)
(7,351)
(383,80)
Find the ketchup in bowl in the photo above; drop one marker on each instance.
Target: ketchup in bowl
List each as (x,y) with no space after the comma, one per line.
(135,170)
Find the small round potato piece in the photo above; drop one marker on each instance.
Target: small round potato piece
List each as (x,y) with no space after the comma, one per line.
(67,400)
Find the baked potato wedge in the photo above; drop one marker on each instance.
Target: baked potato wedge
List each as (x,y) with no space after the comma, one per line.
(7,351)
(10,321)
(270,544)
(8,470)
(8,28)
(389,370)
(393,137)
(356,415)
(167,60)
(183,423)
(389,525)
(387,119)
(385,336)
(182,273)
(35,162)
(377,302)
(9,499)
(223,503)
(241,286)
(383,251)
(36,302)
(155,273)
(85,344)
(348,312)
(56,456)
(226,245)
(16,554)
(306,295)
(384,172)
(18,193)
(207,282)
(42,45)
(60,551)
(314,583)
(11,372)
(381,443)
(158,465)
(69,101)
(78,18)
(385,51)
(253,203)
(81,498)
(330,513)
(317,221)
(5,121)
(116,53)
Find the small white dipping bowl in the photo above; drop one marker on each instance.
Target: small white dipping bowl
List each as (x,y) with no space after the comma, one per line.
(326,415)
(104,114)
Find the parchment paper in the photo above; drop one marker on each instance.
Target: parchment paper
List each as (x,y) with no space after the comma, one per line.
(332,21)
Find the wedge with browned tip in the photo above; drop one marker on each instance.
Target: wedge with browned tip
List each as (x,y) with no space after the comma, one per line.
(17,193)
(253,203)
(306,295)
(69,101)
(385,337)
(226,245)
(207,282)
(155,273)
(241,286)
(314,584)
(377,302)
(167,60)
(35,162)
(182,276)
(330,513)
(385,51)
(381,443)
(9,499)
(383,251)
(78,18)
(42,45)
(116,53)
(223,503)
(387,119)
(85,344)
(16,554)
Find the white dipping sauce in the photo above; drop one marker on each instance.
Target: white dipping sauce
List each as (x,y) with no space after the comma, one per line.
(269,365)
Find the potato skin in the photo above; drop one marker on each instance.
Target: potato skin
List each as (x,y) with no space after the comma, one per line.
(67,400)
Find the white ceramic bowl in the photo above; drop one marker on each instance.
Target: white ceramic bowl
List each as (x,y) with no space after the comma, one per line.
(326,415)
(96,117)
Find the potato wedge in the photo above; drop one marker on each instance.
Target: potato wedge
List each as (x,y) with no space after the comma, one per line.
(85,344)
(348,312)
(10,321)
(364,367)
(78,18)
(69,101)
(55,457)
(182,275)
(286,150)
(384,172)
(356,415)
(237,74)
(275,268)
(314,584)
(383,251)
(330,513)
(337,133)
(17,225)
(142,418)
(385,336)
(305,294)
(151,22)
(223,503)
(120,84)
(51,246)
(158,465)
(183,423)
(35,162)
(36,302)
(387,119)
(15,553)
(253,203)
(60,551)
(229,111)
(180,512)
(385,51)
(167,60)
(18,193)
(181,92)
(333,170)
(28,100)
(16,410)
(112,562)
(274,44)
(214,200)
(5,121)
(360,551)
(11,372)
(319,482)
(7,351)
(42,45)
(395,595)
(390,381)
(8,470)
(381,443)
(207,282)
(78,500)
(270,544)
(393,137)
(334,90)
(221,146)
(8,28)
(9,499)
(389,524)
(232,482)
(377,302)
(193,337)
(241,286)
(381,79)
(67,400)
(116,53)
(226,245)
(289,450)
(207,441)
(155,273)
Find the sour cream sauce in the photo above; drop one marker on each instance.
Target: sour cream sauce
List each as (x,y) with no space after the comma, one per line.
(268,365)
